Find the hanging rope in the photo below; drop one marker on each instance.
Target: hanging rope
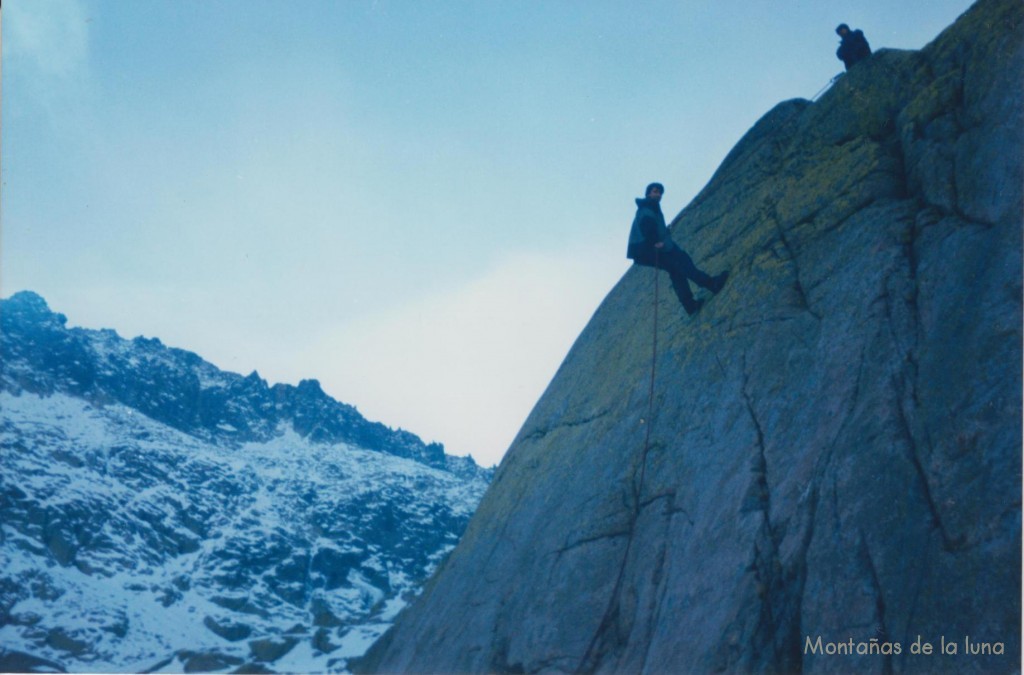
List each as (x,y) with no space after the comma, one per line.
(588,661)
(650,393)
(827,85)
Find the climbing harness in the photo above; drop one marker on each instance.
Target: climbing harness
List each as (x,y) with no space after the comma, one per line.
(825,88)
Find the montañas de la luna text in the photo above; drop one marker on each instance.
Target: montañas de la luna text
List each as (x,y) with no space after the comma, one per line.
(874,646)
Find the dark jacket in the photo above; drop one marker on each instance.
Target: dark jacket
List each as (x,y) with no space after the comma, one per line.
(853,48)
(648,229)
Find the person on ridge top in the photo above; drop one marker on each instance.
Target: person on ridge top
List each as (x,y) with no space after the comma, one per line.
(651,245)
(854,46)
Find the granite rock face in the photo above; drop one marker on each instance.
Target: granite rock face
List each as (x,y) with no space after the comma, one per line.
(836,439)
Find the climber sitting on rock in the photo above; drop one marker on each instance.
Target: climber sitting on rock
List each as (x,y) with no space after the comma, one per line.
(854,46)
(650,244)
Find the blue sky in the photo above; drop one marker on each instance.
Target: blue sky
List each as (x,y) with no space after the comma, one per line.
(418,203)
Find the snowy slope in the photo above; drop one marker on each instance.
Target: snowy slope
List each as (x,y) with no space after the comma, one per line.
(129,544)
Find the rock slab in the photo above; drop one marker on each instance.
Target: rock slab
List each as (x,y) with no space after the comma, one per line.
(834,471)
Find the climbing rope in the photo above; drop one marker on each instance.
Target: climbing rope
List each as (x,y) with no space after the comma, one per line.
(650,393)
(587,663)
(827,85)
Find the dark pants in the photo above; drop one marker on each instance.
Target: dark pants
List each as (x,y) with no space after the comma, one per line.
(680,267)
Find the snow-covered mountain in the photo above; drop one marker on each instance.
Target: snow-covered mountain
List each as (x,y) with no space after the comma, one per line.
(158,514)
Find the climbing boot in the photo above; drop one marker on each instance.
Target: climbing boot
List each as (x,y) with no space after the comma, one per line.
(718,282)
(693,307)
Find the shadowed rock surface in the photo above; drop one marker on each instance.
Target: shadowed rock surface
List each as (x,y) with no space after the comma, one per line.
(836,439)
(157,513)
(41,355)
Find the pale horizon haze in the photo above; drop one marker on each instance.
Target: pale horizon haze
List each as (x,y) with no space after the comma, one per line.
(419,204)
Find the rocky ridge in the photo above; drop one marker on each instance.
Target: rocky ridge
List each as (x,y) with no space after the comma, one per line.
(176,387)
(157,514)
(836,444)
